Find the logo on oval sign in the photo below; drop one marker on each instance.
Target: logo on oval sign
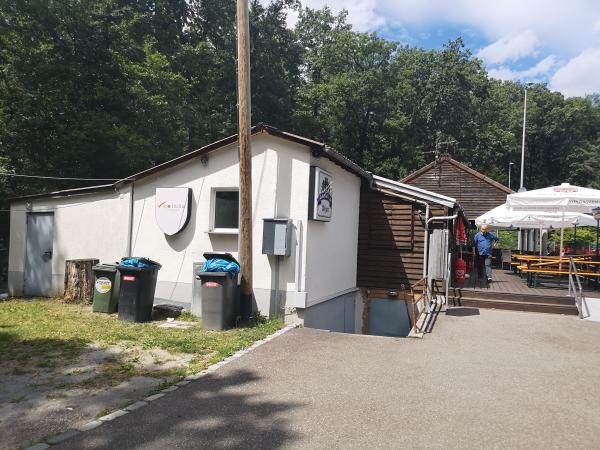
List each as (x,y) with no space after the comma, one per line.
(173,209)
(103,285)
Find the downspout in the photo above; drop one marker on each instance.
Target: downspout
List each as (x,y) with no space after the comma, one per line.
(130,231)
(426,245)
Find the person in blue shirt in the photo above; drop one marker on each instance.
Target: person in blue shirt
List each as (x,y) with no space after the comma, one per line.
(484,242)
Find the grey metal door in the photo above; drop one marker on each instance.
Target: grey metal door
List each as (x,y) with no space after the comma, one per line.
(38,255)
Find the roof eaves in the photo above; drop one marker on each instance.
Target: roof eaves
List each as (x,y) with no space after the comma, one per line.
(413,191)
(417,172)
(66,192)
(323,149)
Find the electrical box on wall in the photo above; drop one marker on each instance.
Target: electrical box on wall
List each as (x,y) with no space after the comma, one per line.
(277,237)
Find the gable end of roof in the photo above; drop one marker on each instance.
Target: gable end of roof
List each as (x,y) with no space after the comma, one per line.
(460,166)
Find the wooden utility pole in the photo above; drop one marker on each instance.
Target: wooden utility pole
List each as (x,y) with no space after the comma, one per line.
(245,232)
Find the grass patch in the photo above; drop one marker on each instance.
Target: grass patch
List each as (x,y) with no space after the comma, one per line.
(50,333)
(187,316)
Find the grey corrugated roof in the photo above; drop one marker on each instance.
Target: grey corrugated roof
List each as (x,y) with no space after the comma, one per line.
(412,191)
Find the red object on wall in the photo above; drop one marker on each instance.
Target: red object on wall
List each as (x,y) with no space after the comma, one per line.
(460,233)
(460,270)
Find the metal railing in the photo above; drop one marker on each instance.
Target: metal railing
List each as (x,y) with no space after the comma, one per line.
(418,293)
(575,289)
(448,276)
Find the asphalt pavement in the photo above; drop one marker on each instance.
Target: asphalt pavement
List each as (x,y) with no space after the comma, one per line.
(481,379)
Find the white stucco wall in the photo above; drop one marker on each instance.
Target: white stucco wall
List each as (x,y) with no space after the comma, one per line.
(332,246)
(280,171)
(85,226)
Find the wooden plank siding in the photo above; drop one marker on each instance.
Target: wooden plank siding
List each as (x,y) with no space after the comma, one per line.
(475,192)
(391,241)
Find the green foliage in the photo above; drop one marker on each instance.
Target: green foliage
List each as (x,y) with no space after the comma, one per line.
(508,239)
(585,236)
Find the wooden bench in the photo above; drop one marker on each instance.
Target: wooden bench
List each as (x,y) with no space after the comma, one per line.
(532,274)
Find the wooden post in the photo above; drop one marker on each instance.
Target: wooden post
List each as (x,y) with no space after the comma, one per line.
(245,232)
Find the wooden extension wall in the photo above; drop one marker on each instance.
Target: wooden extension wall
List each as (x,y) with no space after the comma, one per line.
(390,241)
(475,192)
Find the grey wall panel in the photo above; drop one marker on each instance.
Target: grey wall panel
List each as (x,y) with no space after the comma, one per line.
(173,293)
(388,318)
(336,314)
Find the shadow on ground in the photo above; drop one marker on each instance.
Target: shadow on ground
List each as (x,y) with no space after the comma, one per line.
(462,311)
(216,412)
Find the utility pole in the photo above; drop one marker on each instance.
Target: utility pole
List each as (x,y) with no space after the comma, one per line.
(245,153)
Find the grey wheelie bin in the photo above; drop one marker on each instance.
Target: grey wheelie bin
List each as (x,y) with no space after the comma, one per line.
(220,294)
(106,288)
(138,283)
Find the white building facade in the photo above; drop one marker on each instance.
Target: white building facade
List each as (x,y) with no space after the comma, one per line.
(315,283)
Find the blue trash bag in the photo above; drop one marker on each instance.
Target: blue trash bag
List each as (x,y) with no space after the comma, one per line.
(222,265)
(140,263)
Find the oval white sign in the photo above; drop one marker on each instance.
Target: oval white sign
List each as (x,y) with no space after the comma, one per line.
(103,285)
(173,209)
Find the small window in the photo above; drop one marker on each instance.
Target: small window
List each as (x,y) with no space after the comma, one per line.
(226,210)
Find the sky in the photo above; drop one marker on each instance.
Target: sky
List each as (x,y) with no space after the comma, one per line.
(551,41)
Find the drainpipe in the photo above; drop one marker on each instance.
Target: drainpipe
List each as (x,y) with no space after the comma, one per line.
(130,231)
(426,245)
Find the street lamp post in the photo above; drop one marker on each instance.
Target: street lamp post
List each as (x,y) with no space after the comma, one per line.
(596,214)
(510,164)
(521,187)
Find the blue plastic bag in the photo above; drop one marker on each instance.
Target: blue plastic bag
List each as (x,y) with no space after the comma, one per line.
(222,265)
(141,263)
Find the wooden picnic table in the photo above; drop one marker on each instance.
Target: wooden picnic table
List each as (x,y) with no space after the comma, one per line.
(555,267)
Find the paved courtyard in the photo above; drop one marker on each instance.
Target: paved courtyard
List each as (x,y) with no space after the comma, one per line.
(482,379)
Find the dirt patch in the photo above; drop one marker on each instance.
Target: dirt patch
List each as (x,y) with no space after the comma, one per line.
(38,401)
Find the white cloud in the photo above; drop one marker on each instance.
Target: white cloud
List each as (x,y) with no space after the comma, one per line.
(362,14)
(516,28)
(561,25)
(542,68)
(580,75)
(511,48)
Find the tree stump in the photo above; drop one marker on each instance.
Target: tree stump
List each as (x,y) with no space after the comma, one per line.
(79,280)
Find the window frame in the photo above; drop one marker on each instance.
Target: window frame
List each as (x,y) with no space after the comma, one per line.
(213,203)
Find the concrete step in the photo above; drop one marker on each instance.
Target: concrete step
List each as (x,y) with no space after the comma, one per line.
(512,296)
(551,308)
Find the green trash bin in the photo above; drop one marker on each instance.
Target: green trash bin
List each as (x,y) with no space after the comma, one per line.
(106,288)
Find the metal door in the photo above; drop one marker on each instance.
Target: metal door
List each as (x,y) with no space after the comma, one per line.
(38,254)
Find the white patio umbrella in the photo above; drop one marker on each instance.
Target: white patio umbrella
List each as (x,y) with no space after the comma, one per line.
(566,197)
(504,217)
(563,199)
